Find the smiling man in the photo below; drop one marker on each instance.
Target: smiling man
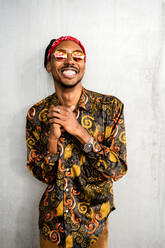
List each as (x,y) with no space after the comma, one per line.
(76,144)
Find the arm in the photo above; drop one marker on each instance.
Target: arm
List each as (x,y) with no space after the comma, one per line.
(41,163)
(110,158)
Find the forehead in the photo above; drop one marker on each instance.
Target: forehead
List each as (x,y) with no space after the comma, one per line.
(69,46)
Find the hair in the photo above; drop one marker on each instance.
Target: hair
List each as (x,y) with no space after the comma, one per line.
(46,52)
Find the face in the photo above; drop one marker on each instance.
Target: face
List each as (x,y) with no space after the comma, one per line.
(67,71)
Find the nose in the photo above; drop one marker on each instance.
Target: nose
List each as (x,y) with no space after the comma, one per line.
(69,59)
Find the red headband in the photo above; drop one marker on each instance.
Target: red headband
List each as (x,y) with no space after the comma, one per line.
(63,38)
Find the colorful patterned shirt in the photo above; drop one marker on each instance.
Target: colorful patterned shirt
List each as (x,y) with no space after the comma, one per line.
(79,196)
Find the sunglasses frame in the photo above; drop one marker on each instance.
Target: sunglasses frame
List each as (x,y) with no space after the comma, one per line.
(65,52)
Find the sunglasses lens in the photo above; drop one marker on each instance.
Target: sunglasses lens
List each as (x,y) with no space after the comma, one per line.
(78,56)
(60,55)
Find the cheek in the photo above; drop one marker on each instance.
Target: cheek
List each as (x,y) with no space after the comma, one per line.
(55,65)
(82,69)
(55,69)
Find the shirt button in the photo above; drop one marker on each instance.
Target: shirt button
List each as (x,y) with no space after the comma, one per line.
(67,190)
(67,169)
(67,211)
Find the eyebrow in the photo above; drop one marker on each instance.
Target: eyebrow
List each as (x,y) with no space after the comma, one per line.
(60,49)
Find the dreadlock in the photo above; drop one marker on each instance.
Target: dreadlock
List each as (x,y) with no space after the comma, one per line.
(46,52)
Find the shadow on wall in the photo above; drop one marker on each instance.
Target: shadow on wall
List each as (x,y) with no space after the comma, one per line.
(28,189)
(32,84)
(35,82)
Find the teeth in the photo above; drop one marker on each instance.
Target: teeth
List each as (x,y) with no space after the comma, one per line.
(69,72)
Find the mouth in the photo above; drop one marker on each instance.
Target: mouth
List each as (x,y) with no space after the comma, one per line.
(69,72)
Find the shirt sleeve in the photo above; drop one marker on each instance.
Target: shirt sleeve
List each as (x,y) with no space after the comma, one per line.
(41,164)
(109,157)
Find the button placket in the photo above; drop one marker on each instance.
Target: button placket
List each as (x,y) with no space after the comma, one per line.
(66,189)
(68,172)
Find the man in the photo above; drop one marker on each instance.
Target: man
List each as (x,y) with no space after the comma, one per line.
(76,144)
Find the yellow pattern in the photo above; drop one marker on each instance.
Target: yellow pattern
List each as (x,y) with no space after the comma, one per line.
(43,115)
(108,131)
(105,208)
(122,137)
(68,151)
(75,171)
(60,209)
(69,241)
(36,135)
(93,240)
(82,159)
(102,161)
(46,229)
(86,121)
(111,189)
(83,207)
(113,157)
(42,165)
(30,142)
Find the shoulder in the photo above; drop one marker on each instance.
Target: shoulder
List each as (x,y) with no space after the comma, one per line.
(38,111)
(105,99)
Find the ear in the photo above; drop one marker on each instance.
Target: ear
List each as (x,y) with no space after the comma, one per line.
(48,67)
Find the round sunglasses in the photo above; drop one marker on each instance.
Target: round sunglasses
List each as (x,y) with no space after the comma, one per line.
(61,55)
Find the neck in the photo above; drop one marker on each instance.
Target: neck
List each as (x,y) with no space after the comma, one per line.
(68,96)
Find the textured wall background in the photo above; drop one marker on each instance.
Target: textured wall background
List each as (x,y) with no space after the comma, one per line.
(131,34)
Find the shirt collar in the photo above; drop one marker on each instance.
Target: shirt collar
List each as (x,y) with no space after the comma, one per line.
(84,101)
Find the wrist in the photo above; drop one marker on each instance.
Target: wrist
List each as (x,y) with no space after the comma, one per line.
(88,146)
(53,137)
(82,135)
(52,144)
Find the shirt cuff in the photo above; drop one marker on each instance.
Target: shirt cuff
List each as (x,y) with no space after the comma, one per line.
(95,151)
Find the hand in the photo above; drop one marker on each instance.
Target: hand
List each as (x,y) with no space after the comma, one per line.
(55,129)
(65,118)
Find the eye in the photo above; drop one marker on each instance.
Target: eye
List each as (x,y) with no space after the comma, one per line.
(78,56)
(60,55)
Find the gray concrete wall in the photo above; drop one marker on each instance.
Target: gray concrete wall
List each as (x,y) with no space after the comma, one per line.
(131,33)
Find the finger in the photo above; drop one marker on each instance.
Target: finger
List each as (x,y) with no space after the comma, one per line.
(51,107)
(65,111)
(57,110)
(62,108)
(57,115)
(56,125)
(54,108)
(56,121)
(53,114)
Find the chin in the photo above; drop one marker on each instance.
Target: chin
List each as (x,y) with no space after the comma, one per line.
(69,84)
